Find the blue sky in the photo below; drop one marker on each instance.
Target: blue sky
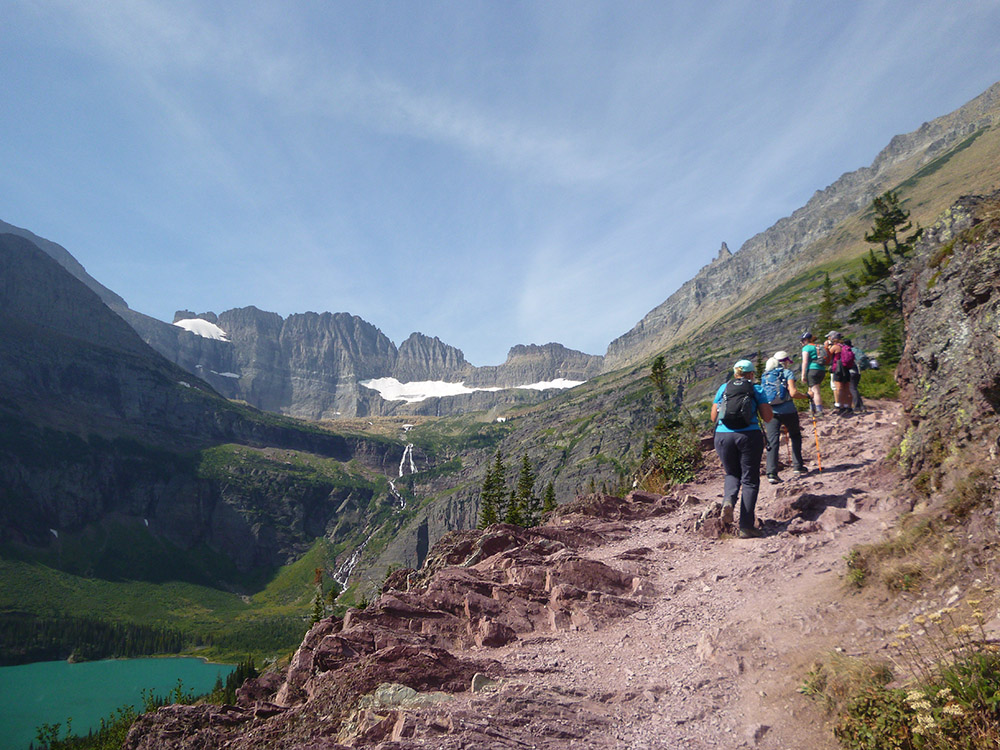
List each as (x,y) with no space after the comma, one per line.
(491,173)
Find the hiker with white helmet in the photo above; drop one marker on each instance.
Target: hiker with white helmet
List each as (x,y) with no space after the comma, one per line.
(778,383)
(740,443)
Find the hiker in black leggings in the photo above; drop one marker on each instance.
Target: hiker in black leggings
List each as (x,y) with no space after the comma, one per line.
(779,385)
(855,372)
(740,449)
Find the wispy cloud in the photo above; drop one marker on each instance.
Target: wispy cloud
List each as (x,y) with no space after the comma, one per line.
(167,47)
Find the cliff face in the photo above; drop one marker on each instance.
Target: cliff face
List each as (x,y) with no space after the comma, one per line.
(309,365)
(950,371)
(785,246)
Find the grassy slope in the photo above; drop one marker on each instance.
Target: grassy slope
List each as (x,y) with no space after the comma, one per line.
(268,624)
(118,570)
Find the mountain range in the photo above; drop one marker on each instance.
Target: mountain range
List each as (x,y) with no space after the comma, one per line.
(311,365)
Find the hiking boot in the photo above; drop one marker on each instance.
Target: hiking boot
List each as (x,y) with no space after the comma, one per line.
(800,470)
(773,478)
(727,513)
(750,533)
(847,411)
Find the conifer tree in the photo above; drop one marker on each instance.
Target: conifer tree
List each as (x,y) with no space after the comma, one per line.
(494,493)
(674,444)
(549,498)
(515,513)
(877,280)
(530,504)
(827,320)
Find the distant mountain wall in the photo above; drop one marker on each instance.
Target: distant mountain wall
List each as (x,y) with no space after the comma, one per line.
(781,248)
(310,365)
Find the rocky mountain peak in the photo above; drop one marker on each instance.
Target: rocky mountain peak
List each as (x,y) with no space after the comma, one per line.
(784,246)
(210,317)
(422,357)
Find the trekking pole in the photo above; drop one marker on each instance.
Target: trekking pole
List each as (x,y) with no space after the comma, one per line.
(819,458)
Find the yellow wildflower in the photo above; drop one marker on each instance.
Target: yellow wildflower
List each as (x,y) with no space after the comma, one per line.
(974,603)
(953,709)
(934,617)
(962,630)
(920,619)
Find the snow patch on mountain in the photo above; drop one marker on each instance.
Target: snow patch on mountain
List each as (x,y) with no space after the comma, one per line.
(419,390)
(203,328)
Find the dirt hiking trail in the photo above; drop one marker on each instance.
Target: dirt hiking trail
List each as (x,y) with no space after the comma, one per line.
(717,657)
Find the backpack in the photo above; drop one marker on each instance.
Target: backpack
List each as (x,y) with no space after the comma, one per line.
(847,356)
(775,385)
(739,407)
(817,355)
(861,358)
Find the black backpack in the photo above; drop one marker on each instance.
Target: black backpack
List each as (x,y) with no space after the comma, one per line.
(739,406)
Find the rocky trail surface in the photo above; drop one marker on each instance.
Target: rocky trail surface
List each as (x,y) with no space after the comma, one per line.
(621,623)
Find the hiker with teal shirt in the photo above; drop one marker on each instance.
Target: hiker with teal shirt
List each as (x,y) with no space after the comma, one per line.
(778,383)
(813,371)
(740,443)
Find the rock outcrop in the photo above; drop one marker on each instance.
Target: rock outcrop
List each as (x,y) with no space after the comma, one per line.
(785,246)
(950,370)
(478,590)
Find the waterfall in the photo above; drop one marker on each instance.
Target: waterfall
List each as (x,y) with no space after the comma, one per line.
(343,573)
(407,454)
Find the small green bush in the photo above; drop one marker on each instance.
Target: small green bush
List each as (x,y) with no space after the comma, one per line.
(876,719)
(879,384)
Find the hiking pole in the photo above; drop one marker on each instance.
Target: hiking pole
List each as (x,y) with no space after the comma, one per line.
(819,458)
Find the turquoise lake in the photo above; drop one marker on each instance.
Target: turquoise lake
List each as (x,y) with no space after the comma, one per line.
(49,692)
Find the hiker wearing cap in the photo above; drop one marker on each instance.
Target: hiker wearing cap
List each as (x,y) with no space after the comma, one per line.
(813,371)
(740,443)
(840,375)
(778,383)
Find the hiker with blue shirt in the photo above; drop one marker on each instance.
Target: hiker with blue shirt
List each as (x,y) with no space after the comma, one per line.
(778,383)
(740,443)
